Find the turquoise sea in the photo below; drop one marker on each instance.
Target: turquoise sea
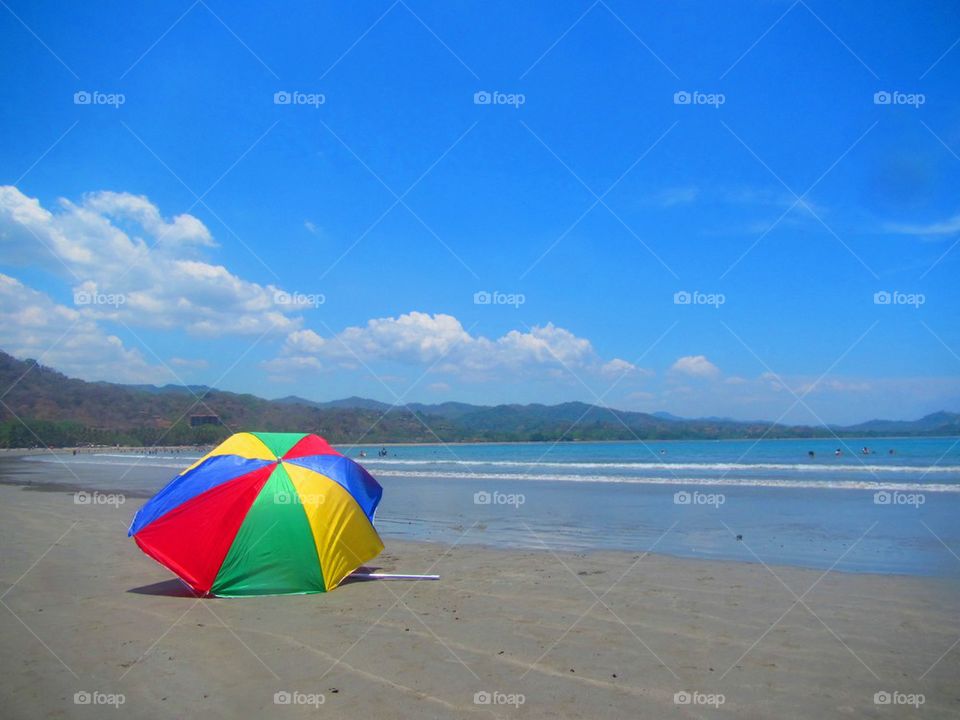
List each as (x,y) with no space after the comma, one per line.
(894,510)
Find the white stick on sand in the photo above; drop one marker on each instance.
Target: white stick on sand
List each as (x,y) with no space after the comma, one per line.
(394,576)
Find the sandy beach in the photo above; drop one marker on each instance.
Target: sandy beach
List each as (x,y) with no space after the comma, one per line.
(537,633)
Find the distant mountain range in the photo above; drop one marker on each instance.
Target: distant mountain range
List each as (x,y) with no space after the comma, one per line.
(45,407)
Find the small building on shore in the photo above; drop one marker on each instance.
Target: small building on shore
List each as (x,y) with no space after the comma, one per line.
(199,420)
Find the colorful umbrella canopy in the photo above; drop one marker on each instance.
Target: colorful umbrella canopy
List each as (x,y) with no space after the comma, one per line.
(263,514)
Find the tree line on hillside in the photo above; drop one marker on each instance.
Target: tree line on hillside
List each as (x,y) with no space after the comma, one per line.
(43,407)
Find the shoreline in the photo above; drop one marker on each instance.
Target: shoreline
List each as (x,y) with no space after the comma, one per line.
(69,489)
(799,522)
(426,545)
(878,522)
(28,452)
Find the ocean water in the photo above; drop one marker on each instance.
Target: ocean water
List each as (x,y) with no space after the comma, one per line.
(886,512)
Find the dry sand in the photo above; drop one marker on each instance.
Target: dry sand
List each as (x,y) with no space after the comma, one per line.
(604,635)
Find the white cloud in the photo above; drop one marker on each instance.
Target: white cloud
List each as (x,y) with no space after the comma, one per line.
(287,369)
(415,337)
(950,226)
(779,208)
(32,325)
(670,197)
(773,381)
(695,366)
(842,399)
(419,338)
(119,244)
(746,195)
(305,341)
(617,368)
(193,364)
(833,386)
(183,229)
(545,344)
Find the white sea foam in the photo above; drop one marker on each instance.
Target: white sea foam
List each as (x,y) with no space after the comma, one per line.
(145,461)
(720,482)
(668,466)
(734,474)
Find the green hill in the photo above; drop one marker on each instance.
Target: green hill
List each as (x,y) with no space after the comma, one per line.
(44,407)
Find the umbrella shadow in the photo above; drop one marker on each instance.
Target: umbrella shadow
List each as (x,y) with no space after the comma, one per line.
(166,588)
(176,588)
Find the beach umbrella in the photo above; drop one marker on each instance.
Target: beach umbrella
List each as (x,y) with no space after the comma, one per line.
(263,514)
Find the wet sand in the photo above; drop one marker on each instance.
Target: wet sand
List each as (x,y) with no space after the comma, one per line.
(599,635)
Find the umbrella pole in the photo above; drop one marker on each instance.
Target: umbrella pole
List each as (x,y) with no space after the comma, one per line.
(393,576)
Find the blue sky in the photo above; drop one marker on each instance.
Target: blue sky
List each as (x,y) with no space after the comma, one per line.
(184,225)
